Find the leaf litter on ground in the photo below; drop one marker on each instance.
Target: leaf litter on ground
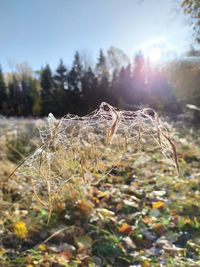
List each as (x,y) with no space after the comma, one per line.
(139,215)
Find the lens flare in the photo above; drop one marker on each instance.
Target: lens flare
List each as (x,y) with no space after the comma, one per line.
(155,54)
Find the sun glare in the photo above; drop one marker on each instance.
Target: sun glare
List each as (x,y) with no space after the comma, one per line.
(155,54)
(157,50)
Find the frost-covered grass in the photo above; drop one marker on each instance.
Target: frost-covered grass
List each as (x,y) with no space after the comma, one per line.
(140,214)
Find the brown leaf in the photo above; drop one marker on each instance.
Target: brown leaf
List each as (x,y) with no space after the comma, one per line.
(159,228)
(148,220)
(125,228)
(85,207)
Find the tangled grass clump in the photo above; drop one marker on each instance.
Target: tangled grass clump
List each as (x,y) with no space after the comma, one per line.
(79,151)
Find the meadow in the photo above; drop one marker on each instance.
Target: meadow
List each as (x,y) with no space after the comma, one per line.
(109,189)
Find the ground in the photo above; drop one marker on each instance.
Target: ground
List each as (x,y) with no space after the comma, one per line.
(142,214)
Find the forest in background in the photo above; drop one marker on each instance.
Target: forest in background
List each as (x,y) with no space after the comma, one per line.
(115,79)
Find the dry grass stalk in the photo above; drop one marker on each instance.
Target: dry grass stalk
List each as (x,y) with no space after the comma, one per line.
(82,150)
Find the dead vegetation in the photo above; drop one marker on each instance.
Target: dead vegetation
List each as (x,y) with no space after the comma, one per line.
(79,151)
(103,190)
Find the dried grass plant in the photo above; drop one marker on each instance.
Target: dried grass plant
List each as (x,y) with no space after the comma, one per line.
(79,151)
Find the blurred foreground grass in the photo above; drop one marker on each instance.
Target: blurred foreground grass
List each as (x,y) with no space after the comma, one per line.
(142,214)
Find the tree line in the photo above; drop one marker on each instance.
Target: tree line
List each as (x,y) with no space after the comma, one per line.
(82,87)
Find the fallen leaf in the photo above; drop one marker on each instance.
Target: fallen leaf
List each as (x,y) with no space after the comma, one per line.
(66,254)
(42,247)
(159,229)
(130,203)
(147,220)
(84,207)
(157,204)
(20,229)
(105,212)
(83,242)
(96,200)
(104,194)
(146,263)
(129,242)
(2,251)
(187,221)
(125,228)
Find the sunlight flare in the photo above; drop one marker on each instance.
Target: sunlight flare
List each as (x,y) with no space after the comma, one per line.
(155,54)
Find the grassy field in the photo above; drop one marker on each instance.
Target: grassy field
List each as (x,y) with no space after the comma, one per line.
(139,213)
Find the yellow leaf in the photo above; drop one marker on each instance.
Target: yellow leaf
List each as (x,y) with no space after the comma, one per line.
(157,204)
(2,251)
(106,213)
(104,194)
(96,200)
(42,247)
(20,229)
(145,263)
(187,221)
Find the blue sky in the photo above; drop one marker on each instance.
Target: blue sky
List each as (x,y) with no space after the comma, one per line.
(43,31)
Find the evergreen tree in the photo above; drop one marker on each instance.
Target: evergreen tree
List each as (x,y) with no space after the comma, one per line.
(103,88)
(89,85)
(26,99)
(60,78)
(75,85)
(101,66)
(2,92)
(46,82)
(61,94)
(75,75)
(14,95)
